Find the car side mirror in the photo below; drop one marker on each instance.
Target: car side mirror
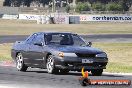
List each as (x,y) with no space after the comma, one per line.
(89,44)
(39,44)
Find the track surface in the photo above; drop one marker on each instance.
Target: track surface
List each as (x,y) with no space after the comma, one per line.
(38,78)
(93,38)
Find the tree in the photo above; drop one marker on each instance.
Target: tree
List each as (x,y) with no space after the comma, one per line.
(15,3)
(126,4)
(113,6)
(18,3)
(98,6)
(82,7)
(7,3)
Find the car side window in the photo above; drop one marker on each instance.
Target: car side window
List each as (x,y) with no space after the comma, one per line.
(77,40)
(30,39)
(39,38)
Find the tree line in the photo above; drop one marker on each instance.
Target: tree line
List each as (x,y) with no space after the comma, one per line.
(103,5)
(27,3)
(121,5)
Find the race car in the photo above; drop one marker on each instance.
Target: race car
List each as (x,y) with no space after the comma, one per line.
(58,52)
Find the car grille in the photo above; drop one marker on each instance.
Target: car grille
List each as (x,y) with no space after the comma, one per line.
(85,55)
(95,64)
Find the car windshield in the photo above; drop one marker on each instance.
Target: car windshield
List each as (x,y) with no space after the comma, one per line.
(63,39)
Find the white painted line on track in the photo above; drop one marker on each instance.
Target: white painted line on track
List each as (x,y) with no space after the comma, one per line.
(24,86)
(6,87)
(109,73)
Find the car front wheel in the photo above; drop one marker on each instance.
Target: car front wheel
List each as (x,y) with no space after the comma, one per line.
(51,65)
(97,72)
(20,63)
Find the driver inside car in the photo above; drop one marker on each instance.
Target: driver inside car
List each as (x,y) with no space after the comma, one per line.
(65,40)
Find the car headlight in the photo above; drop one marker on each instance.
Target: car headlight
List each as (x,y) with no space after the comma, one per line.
(62,54)
(101,55)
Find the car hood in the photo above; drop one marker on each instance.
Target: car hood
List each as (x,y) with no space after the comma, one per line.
(77,49)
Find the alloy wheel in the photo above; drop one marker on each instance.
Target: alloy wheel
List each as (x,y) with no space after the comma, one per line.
(19,60)
(50,64)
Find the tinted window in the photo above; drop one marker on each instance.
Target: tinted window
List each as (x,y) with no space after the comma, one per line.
(30,38)
(39,38)
(63,39)
(77,40)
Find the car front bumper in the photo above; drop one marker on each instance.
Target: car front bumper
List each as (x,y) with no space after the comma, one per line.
(75,63)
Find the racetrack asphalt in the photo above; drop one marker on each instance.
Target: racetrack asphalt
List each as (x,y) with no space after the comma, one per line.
(39,78)
(94,38)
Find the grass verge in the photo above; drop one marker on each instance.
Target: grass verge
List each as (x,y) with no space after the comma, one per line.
(118,67)
(20,27)
(5,50)
(119,55)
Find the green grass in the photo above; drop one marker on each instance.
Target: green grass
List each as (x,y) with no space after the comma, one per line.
(19,27)
(5,50)
(119,54)
(118,67)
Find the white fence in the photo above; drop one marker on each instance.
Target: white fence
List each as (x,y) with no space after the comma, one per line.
(28,17)
(64,18)
(6,16)
(58,18)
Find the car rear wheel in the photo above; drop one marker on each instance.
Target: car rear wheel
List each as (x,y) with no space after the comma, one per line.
(20,63)
(97,72)
(51,65)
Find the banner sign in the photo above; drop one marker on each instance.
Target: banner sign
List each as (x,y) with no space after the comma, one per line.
(28,17)
(61,18)
(45,19)
(95,18)
(106,18)
(6,16)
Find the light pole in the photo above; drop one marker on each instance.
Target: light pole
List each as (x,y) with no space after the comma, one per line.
(53,5)
(74,3)
(67,1)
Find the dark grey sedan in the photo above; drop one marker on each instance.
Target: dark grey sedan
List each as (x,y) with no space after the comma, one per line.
(58,52)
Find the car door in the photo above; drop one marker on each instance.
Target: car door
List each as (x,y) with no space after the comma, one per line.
(26,51)
(36,51)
